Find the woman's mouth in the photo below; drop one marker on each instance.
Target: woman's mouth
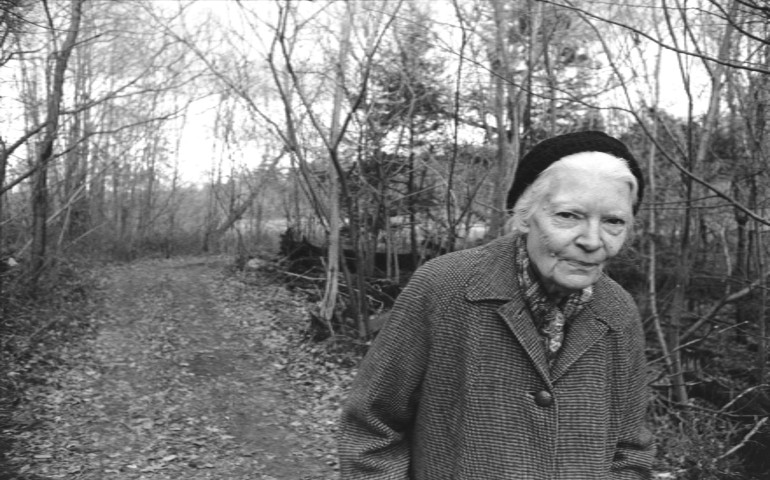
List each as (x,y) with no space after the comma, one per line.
(581,264)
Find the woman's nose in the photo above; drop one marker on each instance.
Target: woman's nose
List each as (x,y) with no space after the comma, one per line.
(589,237)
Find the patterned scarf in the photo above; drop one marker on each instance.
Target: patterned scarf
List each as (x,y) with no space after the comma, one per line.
(550,319)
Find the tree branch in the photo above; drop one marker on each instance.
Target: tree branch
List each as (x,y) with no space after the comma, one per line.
(657,41)
(733,297)
(745,440)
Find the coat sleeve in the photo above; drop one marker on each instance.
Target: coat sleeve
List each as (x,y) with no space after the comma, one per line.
(377,417)
(635,449)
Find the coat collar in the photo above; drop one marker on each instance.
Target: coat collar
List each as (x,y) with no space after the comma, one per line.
(494,276)
(494,279)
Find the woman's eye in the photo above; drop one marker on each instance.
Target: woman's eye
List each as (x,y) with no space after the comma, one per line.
(619,222)
(566,215)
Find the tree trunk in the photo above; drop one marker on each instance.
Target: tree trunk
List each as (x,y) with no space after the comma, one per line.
(329,302)
(652,273)
(761,117)
(504,160)
(40,182)
(696,158)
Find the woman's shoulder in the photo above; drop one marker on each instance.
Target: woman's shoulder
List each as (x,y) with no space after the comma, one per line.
(608,287)
(614,303)
(452,268)
(469,262)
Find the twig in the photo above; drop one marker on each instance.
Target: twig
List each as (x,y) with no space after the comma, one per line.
(722,302)
(731,402)
(710,411)
(304,277)
(697,340)
(745,439)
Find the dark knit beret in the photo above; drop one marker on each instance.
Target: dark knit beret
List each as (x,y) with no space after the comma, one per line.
(549,151)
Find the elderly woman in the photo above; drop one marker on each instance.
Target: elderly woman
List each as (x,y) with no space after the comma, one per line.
(519,359)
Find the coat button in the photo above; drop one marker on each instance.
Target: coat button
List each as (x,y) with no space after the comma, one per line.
(544,398)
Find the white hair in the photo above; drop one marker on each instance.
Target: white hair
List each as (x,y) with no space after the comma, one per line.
(608,165)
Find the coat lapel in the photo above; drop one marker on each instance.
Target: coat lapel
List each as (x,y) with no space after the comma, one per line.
(515,315)
(584,332)
(495,280)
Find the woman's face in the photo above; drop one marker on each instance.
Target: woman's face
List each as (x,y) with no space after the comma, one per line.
(581,222)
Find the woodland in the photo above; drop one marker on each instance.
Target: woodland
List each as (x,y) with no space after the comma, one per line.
(338,145)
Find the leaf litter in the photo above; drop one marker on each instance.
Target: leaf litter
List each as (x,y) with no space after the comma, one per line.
(193,373)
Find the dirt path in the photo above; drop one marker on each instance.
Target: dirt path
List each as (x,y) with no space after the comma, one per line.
(190,376)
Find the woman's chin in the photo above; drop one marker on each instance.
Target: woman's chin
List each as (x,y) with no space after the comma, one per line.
(567,284)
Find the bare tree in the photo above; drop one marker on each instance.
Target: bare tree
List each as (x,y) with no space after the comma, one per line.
(61,57)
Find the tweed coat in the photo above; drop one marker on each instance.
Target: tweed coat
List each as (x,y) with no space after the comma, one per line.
(456,385)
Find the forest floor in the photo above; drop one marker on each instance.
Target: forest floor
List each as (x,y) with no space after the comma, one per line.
(190,372)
